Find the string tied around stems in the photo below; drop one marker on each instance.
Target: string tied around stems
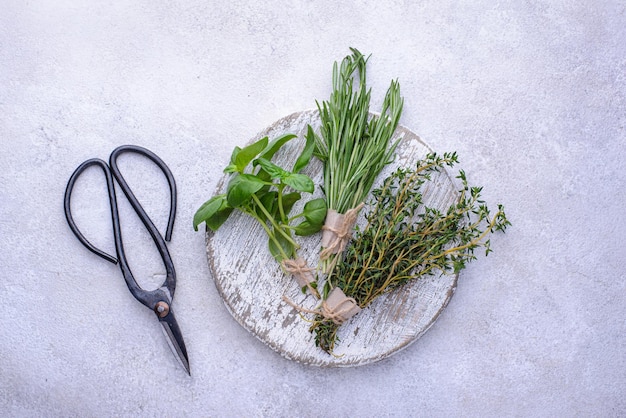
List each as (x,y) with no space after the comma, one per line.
(302,273)
(337,231)
(337,307)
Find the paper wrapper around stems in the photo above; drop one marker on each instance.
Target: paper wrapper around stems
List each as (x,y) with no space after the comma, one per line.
(337,231)
(338,307)
(300,270)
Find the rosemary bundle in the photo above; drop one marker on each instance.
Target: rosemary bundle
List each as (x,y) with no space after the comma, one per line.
(405,241)
(353,146)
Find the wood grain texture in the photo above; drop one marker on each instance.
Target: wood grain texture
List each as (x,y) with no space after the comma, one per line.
(252,284)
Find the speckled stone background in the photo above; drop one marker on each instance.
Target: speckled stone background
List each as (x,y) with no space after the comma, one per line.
(530,94)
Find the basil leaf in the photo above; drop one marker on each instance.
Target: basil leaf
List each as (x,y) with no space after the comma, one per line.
(213,212)
(215,221)
(241,188)
(262,174)
(269,202)
(232,167)
(289,200)
(305,228)
(247,154)
(275,145)
(299,182)
(286,246)
(270,168)
(307,152)
(315,211)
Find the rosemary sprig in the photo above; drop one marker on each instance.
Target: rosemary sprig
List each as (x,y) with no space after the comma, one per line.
(404,240)
(354,147)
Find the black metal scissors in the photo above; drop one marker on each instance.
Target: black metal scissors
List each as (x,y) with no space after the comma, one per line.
(158,300)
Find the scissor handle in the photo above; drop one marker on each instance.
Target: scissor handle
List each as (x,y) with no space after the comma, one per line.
(131,196)
(148,298)
(112,201)
(170,278)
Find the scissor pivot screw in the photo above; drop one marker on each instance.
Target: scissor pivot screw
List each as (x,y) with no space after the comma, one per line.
(162,309)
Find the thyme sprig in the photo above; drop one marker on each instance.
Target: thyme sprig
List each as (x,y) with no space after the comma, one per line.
(405,240)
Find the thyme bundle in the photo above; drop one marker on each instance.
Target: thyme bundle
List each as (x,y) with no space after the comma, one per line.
(353,146)
(405,241)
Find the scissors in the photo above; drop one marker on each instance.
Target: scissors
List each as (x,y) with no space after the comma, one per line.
(158,300)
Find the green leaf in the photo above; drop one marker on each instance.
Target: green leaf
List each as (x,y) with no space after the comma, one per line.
(269,202)
(247,154)
(275,145)
(213,212)
(232,167)
(236,151)
(299,182)
(305,228)
(272,169)
(241,188)
(307,152)
(262,174)
(289,200)
(285,245)
(315,211)
(208,209)
(215,221)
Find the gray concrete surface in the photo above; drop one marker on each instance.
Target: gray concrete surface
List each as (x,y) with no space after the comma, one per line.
(531,95)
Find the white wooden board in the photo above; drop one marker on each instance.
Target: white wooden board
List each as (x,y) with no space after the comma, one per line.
(252,284)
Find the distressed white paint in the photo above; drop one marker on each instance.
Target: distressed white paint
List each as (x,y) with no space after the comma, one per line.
(252,284)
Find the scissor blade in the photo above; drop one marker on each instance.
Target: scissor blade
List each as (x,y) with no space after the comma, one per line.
(175,339)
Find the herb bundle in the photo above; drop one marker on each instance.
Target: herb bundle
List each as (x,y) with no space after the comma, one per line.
(353,146)
(404,240)
(267,193)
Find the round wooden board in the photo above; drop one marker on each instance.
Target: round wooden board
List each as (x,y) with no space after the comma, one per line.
(252,284)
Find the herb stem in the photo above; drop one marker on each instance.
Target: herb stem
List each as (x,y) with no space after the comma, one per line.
(272,221)
(281,210)
(353,146)
(405,240)
(270,234)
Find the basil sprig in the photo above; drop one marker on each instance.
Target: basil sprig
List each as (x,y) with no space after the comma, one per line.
(267,193)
